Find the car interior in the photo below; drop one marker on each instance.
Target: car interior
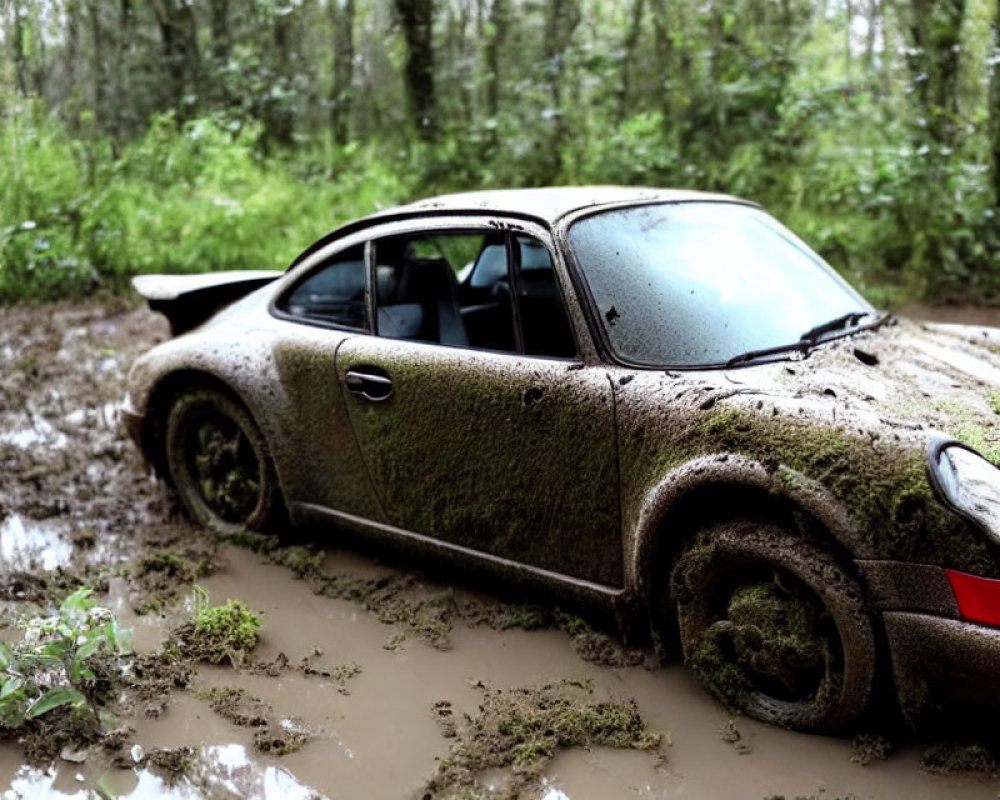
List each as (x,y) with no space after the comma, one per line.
(457,289)
(426,298)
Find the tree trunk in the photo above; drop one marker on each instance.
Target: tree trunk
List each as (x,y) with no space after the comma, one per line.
(629,46)
(848,36)
(219,24)
(121,77)
(279,121)
(561,22)
(934,29)
(179,40)
(500,24)
(98,65)
(874,19)
(664,51)
(18,46)
(71,54)
(417,18)
(342,93)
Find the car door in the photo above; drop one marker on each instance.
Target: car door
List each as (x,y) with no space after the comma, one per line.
(321,306)
(502,451)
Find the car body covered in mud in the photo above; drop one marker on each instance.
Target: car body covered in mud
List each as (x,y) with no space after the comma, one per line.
(659,404)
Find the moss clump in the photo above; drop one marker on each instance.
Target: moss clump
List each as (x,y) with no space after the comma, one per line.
(274,735)
(162,561)
(162,574)
(341,673)
(766,635)
(300,560)
(869,747)
(985,442)
(719,669)
(238,706)
(280,739)
(521,730)
(232,626)
(949,758)
(966,426)
(44,737)
(155,676)
(217,633)
(171,763)
(599,648)
(784,624)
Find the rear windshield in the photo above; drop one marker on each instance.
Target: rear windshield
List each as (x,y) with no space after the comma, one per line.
(696,284)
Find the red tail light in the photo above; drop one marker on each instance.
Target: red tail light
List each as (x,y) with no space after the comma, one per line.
(978,598)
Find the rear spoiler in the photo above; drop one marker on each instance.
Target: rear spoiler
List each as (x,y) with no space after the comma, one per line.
(188,300)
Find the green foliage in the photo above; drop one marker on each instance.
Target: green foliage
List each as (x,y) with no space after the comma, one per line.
(188,197)
(233,142)
(225,629)
(51,666)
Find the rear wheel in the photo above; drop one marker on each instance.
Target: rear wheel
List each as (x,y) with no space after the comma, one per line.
(774,627)
(219,463)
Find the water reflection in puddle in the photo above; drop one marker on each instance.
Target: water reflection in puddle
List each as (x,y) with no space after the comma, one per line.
(222,772)
(30,544)
(42,433)
(39,433)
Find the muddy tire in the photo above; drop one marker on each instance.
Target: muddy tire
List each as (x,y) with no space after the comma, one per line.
(774,627)
(219,463)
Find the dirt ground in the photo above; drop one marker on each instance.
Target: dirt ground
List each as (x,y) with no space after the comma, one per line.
(368,680)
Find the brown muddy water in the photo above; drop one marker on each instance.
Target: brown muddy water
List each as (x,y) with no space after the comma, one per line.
(372,678)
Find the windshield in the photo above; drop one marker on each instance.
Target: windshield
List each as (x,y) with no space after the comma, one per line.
(697,284)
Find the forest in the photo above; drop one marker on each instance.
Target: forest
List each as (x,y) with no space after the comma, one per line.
(193,135)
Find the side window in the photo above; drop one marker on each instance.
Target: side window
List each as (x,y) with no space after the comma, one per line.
(545,328)
(333,293)
(448,288)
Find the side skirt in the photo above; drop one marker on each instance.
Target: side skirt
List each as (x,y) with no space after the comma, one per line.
(603,604)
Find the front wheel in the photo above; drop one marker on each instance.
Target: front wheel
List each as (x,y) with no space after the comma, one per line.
(774,627)
(219,463)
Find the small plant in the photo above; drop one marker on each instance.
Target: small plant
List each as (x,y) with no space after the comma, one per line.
(230,630)
(49,667)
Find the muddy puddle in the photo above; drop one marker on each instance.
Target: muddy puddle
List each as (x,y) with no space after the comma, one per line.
(365,680)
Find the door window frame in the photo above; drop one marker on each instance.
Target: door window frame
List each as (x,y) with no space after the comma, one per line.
(316,262)
(459,226)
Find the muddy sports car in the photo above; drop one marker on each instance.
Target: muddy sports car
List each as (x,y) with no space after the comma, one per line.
(659,405)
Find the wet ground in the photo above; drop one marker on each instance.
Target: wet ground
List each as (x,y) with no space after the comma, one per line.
(368,680)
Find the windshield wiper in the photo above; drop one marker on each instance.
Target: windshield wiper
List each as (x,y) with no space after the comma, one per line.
(840,323)
(808,340)
(754,355)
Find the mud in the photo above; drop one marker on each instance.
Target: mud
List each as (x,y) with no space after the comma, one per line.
(521,730)
(365,679)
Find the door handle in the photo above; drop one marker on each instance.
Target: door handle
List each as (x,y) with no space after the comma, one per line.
(369,385)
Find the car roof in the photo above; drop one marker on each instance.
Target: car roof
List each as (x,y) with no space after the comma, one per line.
(546,205)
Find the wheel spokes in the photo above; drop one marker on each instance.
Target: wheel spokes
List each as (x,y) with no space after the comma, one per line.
(224,462)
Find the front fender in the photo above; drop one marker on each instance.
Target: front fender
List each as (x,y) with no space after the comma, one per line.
(661,516)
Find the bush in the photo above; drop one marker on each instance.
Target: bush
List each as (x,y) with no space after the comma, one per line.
(182,198)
